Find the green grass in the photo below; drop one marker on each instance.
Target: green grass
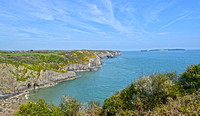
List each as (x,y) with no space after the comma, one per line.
(25,54)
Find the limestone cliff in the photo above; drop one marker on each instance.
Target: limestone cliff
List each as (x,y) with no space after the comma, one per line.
(10,76)
(108,54)
(94,62)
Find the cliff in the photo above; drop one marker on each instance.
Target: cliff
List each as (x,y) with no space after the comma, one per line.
(10,83)
(94,62)
(107,54)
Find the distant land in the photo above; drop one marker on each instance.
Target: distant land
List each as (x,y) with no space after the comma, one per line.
(162,50)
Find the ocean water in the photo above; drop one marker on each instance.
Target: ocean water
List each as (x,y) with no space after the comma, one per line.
(116,74)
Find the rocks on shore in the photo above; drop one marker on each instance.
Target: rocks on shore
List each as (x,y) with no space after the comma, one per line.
(12,104)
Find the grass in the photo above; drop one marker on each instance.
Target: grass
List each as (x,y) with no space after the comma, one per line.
(26,54)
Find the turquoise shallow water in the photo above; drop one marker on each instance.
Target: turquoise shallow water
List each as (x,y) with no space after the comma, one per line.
(116,74)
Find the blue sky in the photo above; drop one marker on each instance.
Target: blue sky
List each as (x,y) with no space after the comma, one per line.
(99,24)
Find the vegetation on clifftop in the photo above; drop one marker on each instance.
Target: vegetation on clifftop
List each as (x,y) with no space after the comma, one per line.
(157,94)
(43,60)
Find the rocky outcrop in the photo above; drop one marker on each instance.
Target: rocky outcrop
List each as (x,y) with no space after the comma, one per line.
(94,63)
(52,77)
(108,54)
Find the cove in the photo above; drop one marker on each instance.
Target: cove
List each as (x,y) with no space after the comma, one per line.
(116,74)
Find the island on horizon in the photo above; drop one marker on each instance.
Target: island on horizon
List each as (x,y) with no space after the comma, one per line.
(151,50)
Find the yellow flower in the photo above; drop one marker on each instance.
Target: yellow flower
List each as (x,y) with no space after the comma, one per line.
(74,53)
(8,91)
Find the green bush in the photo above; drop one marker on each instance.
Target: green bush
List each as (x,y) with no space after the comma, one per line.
(188,105)
(151,95)
(69,106)
(190,80)
(94,109)
(142,95)
(39,108)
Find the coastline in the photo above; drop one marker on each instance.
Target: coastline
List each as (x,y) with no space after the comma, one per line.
(12,102)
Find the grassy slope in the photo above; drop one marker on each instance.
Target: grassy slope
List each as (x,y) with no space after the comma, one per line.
(44,60)
(25,54)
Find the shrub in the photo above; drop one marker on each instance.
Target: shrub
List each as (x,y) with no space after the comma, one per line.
(188,105)
(40,108)
(69,106)
(190,80)
(94,109)
(1,51)
(61,53)
(143,94)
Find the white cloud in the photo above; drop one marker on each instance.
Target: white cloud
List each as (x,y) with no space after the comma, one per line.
(176,20)
(152,12)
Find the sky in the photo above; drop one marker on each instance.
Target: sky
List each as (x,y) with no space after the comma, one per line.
(99,24)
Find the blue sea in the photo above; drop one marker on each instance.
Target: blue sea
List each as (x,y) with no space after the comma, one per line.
(117,73)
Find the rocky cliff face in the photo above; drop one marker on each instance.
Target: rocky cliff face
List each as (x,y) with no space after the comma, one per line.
(52,77)
(108,54)
(93,64)
(9,75)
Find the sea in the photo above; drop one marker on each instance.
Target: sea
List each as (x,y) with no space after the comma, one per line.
(116,74)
